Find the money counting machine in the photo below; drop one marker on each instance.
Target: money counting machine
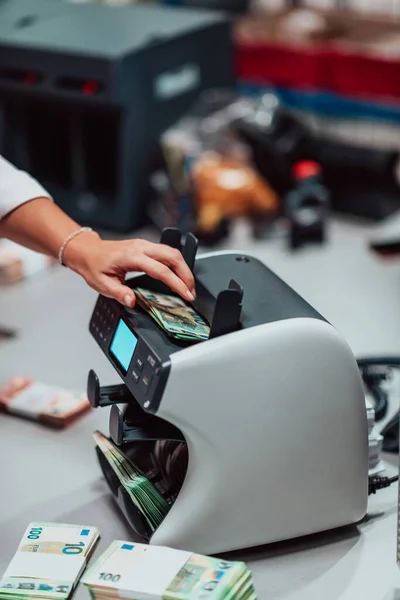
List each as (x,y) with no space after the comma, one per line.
(257,434)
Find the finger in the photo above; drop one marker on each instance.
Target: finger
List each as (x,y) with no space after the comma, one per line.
(120,292)
(163,273)
(174,259)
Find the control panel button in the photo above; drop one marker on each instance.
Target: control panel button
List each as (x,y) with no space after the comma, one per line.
(145,383)
(139,364)
(151,360)
(103,322)
(135,375)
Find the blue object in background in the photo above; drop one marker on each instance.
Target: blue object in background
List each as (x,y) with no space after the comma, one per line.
(326,104)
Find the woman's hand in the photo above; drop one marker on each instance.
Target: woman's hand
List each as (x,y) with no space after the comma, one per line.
(104,265)
(41,225)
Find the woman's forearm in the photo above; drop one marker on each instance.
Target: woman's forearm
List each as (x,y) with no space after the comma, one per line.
(39,225)
(42,226)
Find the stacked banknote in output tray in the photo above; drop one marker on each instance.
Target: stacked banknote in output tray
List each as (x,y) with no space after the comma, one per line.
(178,319)
(49,561)
(132,571)
(142,492)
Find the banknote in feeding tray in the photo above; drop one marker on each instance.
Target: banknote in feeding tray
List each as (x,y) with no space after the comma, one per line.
(173,315)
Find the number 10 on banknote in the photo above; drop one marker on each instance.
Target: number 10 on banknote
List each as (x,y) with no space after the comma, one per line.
(49,561)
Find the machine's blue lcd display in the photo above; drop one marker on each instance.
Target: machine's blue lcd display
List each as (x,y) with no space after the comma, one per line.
(123,344)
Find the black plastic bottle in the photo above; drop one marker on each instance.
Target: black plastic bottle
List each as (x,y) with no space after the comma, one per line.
(307,205)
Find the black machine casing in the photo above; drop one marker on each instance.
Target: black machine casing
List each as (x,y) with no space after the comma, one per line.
(86,90)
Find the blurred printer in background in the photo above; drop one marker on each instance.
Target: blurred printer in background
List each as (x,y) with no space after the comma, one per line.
(86,90)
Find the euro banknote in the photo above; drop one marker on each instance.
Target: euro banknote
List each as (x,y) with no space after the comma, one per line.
(176,317)
(142,492)
(48,562)
(131,571)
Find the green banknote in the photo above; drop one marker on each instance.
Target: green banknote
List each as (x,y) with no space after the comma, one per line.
(49,561)
(142,492)
(129,570)
(176,317)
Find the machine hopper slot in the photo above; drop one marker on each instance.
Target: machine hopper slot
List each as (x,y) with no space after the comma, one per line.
(222,313)
(144,427)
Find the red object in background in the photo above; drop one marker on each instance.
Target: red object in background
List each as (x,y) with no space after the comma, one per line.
(90,87)
(31,78)
(323,68)
(281,65)
(357,75)
(306,168)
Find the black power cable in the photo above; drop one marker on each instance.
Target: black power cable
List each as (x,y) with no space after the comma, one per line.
(389,361)
(376,483)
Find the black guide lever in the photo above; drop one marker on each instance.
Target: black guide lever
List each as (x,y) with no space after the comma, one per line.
(190,249)
(227,311)
(106,395)
(173,237)
(149,428)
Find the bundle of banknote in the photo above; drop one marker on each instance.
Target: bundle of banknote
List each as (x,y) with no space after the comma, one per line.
(49,562)
(132,571)
(144,495)
(37,401)
(178,319)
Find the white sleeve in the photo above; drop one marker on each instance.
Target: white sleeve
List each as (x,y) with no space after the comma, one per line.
(16,187)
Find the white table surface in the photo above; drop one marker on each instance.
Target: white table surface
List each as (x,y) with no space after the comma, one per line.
(53,476)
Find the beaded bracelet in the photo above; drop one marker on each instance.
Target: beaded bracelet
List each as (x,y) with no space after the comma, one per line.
(69,238)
